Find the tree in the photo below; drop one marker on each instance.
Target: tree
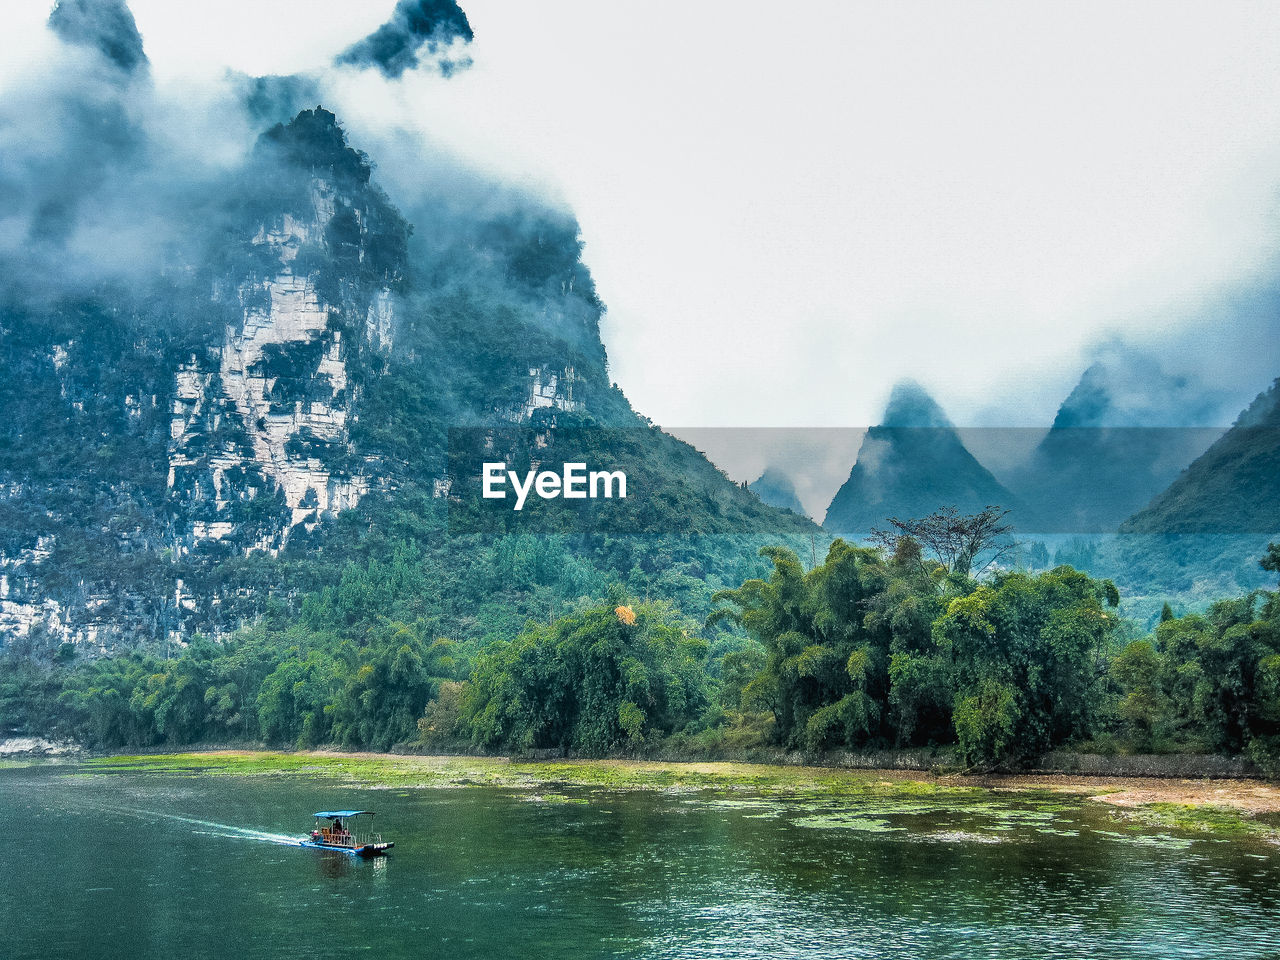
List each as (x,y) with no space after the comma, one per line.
(987,720)
(441,725)
(955,539)
(825,675)
(603,679)
(1143,706)
(1027,655)
(1217,678)
(1271,561)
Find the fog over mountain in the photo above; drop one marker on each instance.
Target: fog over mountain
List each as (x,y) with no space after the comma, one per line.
(910,194)
(775,488)
(287,289)
(107,25)
(1122,434)
(394,47)
(119,192)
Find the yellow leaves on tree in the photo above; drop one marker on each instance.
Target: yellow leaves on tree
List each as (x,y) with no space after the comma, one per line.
(625,615)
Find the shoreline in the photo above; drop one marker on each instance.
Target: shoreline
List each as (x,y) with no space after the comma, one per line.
(1230,809)
(1227,807)
(934,762)
(1255,795)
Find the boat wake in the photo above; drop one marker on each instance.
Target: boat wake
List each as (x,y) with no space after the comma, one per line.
(244,833)
(211,828)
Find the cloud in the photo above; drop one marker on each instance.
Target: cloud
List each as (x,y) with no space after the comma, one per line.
(395,46)
(101,179)
(276,98)
(124,188)
(109,177)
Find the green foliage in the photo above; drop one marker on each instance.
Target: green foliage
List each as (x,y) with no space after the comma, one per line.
(987,720)
(294,687)
(865,651)
(1271,561)
(828,637)
(591,682)
(1043,642)
(442,725)
(1143,705)
(860,651)
(1208,682)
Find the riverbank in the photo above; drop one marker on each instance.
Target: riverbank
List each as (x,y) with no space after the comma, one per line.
(1231,808)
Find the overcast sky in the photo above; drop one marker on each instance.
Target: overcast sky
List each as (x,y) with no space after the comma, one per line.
(789,207)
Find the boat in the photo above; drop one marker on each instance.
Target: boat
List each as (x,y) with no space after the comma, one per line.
(334,831)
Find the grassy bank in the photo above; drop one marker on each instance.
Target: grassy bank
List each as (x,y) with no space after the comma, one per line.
(389,770)
(1226,809)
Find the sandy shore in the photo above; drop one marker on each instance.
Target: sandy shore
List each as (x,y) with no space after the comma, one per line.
(1252,796)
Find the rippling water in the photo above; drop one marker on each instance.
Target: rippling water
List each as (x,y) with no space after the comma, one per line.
(150,865)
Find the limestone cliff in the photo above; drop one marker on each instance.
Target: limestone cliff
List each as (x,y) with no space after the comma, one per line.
(186,452)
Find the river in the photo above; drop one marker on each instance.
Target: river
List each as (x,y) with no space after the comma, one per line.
(123,864)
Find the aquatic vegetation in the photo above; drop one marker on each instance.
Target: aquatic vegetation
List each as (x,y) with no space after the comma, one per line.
(1158,840)
(847,821)
(807,797)
(960,836)
(1218,820)
(14,763)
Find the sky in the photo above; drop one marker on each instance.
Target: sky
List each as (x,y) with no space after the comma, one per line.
(788,209)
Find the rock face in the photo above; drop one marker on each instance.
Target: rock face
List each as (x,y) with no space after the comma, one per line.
(910,465)
(549,389)
(276,393)
(220,415)
(223,437)
(229,384)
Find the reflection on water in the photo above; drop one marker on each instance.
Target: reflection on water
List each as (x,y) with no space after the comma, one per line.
(145,865)
(334,865)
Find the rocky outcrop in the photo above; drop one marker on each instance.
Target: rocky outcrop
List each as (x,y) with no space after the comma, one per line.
(549,389)
(267,413)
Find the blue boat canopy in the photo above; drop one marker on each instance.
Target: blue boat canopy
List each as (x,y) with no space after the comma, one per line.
(333,814)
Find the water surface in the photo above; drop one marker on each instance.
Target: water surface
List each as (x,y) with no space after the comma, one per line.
(100,865)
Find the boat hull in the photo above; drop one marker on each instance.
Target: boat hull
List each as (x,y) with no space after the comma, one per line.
(367,850)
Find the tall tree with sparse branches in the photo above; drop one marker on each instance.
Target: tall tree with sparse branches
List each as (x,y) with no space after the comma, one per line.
(955,539)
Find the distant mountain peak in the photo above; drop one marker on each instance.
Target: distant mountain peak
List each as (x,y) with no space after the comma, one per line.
(910,405)
(1119,438)
(106,25)
(396,45)
(1264,411)
(775,488)
(910,465)
(1088,403)
(1233,487)
(315,138)
(1125,386)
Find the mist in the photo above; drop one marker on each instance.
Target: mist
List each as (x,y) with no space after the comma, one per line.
(417,30)
(111,155)
(112,177)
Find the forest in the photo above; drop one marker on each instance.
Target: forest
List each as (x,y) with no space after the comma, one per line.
(874,647)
